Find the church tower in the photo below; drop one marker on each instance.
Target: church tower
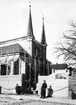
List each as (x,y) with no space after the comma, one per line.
(30,34)
(30,38)
(44,45)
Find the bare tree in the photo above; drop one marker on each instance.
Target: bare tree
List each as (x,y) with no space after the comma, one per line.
(67,45)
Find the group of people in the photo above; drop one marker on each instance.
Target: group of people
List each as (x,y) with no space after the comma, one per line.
(43,90)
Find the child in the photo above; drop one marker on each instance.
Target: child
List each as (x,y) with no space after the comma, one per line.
(50,91)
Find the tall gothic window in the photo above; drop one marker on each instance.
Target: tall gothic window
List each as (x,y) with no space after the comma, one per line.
(37,52)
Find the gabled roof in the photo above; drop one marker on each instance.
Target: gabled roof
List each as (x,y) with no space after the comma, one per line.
(13,40)
(59,66)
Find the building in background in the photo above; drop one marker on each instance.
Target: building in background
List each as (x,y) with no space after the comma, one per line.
(59,68)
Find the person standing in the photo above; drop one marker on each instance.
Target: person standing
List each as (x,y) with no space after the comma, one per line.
(43,89)
(18,89)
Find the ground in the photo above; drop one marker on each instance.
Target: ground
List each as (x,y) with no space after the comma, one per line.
(6,99)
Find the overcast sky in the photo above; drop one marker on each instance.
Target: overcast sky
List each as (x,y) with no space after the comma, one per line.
(57,14)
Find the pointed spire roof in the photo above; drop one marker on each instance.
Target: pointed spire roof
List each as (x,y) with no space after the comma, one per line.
(43,39)
(30,27)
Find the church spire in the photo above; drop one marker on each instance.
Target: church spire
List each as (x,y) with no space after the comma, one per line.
(43,39)
(30,27)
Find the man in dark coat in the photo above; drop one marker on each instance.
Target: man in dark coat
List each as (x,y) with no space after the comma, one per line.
(43,89)
(18,89)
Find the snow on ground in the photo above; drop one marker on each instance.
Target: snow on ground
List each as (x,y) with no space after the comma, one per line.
(33,100)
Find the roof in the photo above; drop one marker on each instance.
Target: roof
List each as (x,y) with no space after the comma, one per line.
(59,66)
(14,48)
(12,40)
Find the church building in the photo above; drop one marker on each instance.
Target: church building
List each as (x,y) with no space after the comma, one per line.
(24,55)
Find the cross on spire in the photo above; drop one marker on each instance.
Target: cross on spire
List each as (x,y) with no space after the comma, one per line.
(29,3)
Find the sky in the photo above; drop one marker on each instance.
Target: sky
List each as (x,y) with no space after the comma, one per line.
(57,14)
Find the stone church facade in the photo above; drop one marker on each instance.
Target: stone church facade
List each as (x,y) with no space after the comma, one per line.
(24,55)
